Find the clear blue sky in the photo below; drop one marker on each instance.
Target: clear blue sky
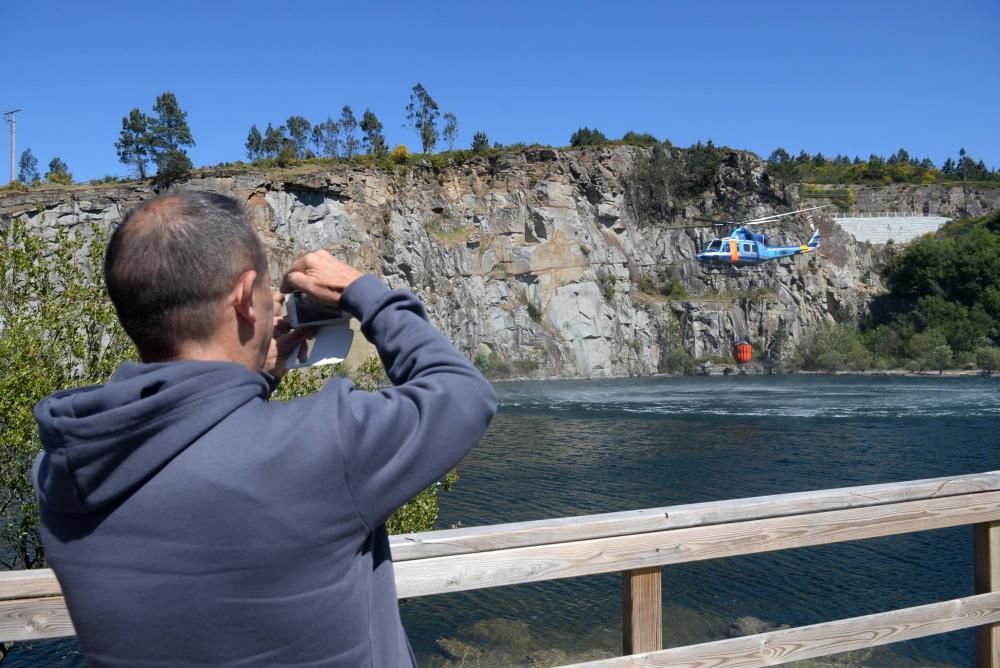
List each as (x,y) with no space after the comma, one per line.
(835,77)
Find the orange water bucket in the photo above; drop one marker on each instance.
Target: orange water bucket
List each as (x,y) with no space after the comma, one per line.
(743,351)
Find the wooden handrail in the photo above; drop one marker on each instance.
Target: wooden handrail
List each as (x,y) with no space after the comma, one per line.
(639,543)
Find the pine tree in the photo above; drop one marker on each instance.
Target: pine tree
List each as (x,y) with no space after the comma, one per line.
(422,114)
(168,128)
(480,142)
(374,141)
(27,171)
(134,143)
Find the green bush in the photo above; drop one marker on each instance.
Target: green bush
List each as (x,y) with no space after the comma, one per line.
(587,137)
(57,330)
(988,359)
(492,365)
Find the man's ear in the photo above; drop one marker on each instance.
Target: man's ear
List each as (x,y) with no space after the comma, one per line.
(242,296)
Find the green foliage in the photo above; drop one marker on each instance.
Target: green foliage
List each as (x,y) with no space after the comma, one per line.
(607,283)
(27,168)
(900,167)
(59,172)
(422,114)
(168,128)
(678,360)
(134,142)
(988,359)
(325,138)
(834,347)
(450,131)
(374,140)
(492,365)
(349,126)
(254,144)
(652,183)
(480,142)
(171,166)
(663,284)
(57,330)
(587,137)
(299,131)
(639,139)
(948,283)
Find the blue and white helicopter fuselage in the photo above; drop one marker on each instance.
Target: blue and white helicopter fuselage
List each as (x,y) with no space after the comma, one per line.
(744,248)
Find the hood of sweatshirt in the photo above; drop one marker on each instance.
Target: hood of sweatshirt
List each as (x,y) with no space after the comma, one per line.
(103,442)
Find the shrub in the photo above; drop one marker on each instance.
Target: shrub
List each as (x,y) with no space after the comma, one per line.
(988,359)
(639,139)
(399,155)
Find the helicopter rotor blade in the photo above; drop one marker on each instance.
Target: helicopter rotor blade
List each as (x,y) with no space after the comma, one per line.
(771,218)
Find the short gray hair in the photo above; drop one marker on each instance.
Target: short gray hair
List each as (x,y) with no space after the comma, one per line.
(169,263)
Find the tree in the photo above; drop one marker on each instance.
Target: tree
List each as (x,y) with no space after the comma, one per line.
(422,114)
(255,144)
(168,128)
(59,329)
(374,141)
(274,139)
(299,131)
(988,359)
(587,137)
(349,126)
(59,172)
(450,131)
(480,142)
(171,166)
(27,167)
(326,138)
(133,143)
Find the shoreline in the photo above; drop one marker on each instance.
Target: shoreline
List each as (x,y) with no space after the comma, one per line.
(758,371)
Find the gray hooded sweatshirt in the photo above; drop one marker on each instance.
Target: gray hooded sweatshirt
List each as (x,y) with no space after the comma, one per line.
(191,521)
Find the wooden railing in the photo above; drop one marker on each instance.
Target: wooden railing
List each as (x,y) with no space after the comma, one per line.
(639,543)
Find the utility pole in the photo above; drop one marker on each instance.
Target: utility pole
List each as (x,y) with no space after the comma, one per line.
(11,119)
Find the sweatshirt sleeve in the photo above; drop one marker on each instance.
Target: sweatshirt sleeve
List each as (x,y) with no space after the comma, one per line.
(397,441)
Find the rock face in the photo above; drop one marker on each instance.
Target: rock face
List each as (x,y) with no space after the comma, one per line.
(535,260)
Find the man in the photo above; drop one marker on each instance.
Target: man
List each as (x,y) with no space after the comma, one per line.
(189,520)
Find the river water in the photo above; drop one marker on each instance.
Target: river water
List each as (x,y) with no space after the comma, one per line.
(579,447)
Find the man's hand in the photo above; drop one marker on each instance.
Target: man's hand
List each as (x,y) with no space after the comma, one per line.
(321,276)
(284,341)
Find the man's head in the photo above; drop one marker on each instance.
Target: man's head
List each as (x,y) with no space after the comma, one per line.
(186,272)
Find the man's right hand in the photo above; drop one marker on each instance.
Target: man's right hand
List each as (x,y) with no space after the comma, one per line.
(321,276)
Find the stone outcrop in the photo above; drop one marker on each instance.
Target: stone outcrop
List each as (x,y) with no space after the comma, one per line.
(535,260)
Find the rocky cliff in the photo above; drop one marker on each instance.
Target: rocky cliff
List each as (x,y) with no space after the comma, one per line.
(534,261)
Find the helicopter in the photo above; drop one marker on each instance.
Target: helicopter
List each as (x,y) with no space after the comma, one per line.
(744,248)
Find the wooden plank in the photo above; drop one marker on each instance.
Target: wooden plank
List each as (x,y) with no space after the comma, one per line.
(34,619)
(29,584)
(807,642)
(987,550)
(543,532)
(642,610)
(619,553)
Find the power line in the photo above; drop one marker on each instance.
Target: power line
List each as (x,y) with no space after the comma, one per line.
(11,118)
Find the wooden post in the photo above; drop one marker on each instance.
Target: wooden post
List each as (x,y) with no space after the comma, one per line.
(642,610)
(987,548)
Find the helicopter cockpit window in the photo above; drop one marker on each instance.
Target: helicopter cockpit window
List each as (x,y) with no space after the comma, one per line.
(714,245)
